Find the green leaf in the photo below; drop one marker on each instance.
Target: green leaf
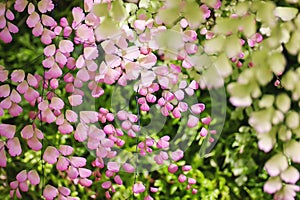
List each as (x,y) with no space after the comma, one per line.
(118,11)
(286,13)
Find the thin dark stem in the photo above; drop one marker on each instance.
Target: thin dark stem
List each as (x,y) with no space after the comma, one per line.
(41,124)
(137,141)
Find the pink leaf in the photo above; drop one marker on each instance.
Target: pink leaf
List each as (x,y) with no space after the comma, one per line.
(66,46)
(172,168)
(107,143)
(27,132)
(72,172)
(90,53)
(192,121)
(290,175)
(84,173)
(50,192)
(33,177)
(182,178)
(118,180)
(60,58)
(66,150)
(31,94)
(128,168)
(6,103)
(49,50)
(85,182)
(177,155)
(48,21)
(62,164)
(71,116)
(65,128)
(272,185)
(2,157)
(7,130)
(83,75)
(14,147)
(113,166)
(57,103)
(45,5)
(64,191)
(34,144)
(78,161)
(106,185)
(198,108)
(48,116)
(191,181)
(81,132)
(4,90)
(15,110)
(12,28)
(138,188)
(50,155)
(22,176)
(15,96)
(88,116)
(32,81)
(33,19)
(14,184)
(5,35)
(38,29)
(20,5)
(75,100)
(23,186)
(78,16)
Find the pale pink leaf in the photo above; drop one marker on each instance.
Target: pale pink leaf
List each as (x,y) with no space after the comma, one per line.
(21,176)
(57,103)
(15,96)
(84,173)
(88,116)
(33,177)
(20,5)
(138,188)
(34,144)
(66,46)
(50,192)
(12,28)
(2,157)
(51,154)
(81,132)
(78,161)
(7,130)
(23,186)
(66,150)
(33,19)
(72,172)
(64,191)
(15,110)
(5,35)
(27,132)
(177,155)
(75,100)
(85,182)
(62,164)
(113,166)
(49,50)
(106,185)
(14,146)
(4,90)
(48,21)
(128,168)
(45,5)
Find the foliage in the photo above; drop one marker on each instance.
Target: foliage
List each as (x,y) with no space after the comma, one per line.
(145,99)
